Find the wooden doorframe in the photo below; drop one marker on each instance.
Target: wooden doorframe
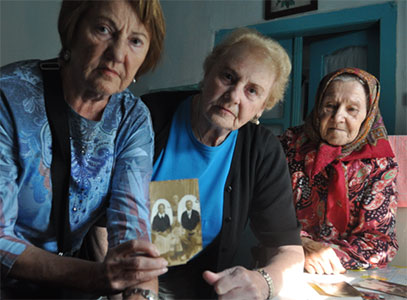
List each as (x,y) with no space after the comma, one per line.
(385,15)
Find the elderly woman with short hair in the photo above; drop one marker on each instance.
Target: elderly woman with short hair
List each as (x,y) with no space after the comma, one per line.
(240,166)
(343,175)
(75,114)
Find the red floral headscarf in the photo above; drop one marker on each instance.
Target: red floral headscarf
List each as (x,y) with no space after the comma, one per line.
(371,142)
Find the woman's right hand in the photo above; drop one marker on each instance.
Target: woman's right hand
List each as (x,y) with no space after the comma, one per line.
(131,264)
(320,259)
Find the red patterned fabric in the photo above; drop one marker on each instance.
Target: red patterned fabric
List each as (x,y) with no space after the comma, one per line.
(346,196)
(369,239)
(370,142)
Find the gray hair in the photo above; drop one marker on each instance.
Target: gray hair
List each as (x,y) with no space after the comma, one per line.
(347,77)
(275,53)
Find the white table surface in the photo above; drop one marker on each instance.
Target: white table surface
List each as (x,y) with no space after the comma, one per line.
(299,289)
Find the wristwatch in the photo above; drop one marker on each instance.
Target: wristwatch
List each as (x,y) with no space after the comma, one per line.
(147,294)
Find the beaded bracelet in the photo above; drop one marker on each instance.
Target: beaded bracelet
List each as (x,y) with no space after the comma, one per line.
(269,282)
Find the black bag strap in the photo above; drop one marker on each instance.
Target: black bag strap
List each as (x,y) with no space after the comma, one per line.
(57,113)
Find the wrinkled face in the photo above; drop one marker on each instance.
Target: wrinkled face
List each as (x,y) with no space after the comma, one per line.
(343,110)
(188,205)
(109,47)
(235,89)
(161,208)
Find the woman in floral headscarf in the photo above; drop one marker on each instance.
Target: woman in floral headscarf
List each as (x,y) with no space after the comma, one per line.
(343,176)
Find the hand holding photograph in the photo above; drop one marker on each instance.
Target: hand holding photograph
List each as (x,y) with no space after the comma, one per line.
(176,219)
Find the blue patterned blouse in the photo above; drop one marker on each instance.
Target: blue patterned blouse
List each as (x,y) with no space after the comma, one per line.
(110,172)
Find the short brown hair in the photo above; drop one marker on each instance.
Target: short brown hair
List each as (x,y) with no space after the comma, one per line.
(275,53)
(148,11)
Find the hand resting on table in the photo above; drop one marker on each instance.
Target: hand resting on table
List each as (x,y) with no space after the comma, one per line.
(320,259)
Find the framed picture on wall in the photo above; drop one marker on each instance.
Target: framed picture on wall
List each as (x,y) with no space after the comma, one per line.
(280,8)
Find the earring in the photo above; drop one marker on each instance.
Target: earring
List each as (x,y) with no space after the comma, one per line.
(66,55)
(255,120)
(134,80)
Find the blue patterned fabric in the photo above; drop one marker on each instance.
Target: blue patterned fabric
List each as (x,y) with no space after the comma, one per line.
(110,172)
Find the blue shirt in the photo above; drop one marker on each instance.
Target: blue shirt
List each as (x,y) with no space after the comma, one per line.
(184,157)
(110,171)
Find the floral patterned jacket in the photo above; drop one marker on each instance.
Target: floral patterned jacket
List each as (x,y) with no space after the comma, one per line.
(369,240)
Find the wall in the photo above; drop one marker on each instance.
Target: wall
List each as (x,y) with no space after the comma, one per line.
(401,72)
(401,233)
(28,30)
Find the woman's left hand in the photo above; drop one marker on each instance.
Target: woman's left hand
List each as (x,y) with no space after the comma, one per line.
(238,283)
(132,263)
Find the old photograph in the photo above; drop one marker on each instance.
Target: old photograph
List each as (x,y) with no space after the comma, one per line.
(176,219)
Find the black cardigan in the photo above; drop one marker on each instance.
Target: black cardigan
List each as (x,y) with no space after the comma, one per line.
(258,187)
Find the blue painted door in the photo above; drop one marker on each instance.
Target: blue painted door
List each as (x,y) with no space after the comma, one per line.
(356,49)
(278,119)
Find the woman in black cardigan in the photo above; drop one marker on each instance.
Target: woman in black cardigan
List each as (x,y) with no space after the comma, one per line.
(240,167)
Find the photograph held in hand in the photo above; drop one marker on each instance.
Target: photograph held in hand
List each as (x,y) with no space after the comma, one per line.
(176,219)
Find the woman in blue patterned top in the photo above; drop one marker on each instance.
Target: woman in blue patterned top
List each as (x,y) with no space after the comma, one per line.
(105,45)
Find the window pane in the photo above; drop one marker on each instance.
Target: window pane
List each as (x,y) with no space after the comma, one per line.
(355,56)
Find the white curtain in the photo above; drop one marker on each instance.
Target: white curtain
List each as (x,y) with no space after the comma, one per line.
(355,56)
